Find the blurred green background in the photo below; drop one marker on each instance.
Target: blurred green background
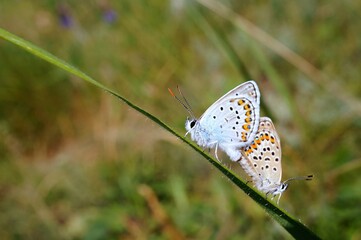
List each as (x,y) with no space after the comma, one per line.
(78,164)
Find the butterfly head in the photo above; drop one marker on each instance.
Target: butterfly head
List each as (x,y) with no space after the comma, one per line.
(281,188)
(278,191)
(190,124)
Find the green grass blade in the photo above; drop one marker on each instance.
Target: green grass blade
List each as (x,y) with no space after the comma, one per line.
(294,227)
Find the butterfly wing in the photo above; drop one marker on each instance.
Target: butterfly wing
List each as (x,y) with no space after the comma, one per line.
(233,119)
(262,158)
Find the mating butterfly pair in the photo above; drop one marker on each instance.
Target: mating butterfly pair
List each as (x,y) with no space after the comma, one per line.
(234,125)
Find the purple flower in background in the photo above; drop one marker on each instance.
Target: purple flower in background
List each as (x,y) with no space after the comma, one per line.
(109,15)
(64,16)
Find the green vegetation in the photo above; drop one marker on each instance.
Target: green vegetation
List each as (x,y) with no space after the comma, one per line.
(76,163)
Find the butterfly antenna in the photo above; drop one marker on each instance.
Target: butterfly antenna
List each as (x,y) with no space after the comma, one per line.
(307,178)
(185,104)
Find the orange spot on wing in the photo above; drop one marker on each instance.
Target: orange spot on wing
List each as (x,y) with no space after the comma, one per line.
(267,137)
(244,136)
(246,127)
(241,102)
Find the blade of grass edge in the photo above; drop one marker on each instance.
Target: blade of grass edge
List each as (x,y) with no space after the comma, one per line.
(294,227)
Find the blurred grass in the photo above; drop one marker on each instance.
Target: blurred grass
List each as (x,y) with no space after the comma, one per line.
(73,159)
(293,226)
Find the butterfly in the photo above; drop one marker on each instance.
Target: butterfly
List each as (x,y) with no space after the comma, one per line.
(228,124)
(261,160)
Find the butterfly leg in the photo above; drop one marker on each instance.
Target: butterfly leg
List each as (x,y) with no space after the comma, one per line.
(216,153)
(278,200)
(248,181)
(269,192)
(273,196)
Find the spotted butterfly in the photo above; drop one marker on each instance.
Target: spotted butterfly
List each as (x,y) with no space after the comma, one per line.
(261,160)
(230,123)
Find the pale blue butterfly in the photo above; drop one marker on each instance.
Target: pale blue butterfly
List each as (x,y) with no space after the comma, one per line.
(230,123)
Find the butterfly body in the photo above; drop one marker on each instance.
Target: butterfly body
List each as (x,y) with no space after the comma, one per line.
(230,123)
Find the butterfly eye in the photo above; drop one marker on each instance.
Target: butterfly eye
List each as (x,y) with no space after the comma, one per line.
(284,187)
(192,123)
